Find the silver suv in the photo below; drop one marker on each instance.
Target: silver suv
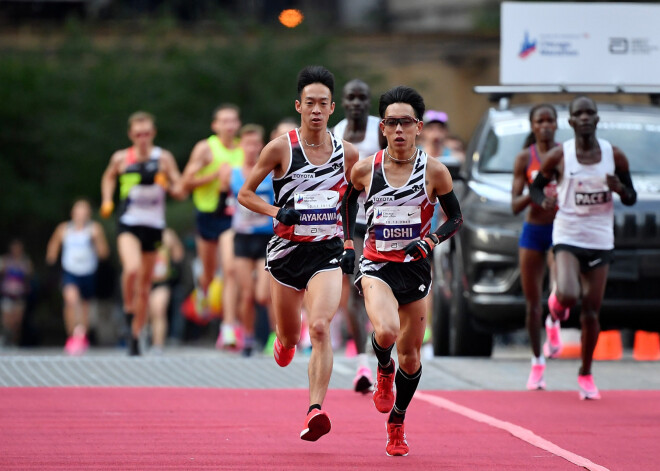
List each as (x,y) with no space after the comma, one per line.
(477,289)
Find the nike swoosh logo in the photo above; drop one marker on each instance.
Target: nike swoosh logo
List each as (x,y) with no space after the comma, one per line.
(594,262)
(410,214)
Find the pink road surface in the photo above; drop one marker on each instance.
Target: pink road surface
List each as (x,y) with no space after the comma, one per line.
(190,428)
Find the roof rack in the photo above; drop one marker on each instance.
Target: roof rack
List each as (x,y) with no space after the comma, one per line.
(503,93)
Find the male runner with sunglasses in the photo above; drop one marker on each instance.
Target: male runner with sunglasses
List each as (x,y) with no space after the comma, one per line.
(402,185)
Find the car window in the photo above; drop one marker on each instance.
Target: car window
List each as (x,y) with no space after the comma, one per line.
(637,135)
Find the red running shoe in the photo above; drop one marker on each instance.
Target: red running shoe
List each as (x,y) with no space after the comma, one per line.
(396,441)
(283,356)
(317,424)
(384,389)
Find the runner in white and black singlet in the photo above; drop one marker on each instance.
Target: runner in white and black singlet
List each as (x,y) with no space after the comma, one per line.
(402,185)
(310,168)
(146,173)
(588,170)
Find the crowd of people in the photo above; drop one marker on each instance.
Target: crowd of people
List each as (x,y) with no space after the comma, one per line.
(287,222)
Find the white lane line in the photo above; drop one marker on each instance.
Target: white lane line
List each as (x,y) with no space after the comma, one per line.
(515,430)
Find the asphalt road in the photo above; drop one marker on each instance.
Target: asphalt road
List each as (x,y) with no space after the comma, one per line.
(206,367)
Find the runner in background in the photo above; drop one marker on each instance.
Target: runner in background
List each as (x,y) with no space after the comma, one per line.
(146,173)
(253,231)
(169,256)
(283,126)
(588,170)
(536,238)
(82,242)
(361,130)
(212,199)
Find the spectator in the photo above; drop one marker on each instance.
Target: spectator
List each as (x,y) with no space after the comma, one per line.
(15,273)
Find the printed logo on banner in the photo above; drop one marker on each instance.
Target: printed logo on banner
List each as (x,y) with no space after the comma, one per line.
(528,46)
(639,46)
(618,46)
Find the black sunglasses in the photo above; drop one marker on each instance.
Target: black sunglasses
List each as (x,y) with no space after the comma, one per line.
(405,122)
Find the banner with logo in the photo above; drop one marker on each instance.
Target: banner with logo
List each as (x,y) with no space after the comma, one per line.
(549,43)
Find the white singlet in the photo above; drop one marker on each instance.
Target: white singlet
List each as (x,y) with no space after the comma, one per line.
(586,210)
(368,146)
(78,254)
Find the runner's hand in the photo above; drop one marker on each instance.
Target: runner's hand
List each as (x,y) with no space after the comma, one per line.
(420,249)
(347,262)
(288,217)
(106,209)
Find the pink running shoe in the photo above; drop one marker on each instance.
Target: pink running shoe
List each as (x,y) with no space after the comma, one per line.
(557,311)
(77,344)
(283,356)
(363,380)
(587,387)
(535,380)
(384,389)
(552,345)
(317,424)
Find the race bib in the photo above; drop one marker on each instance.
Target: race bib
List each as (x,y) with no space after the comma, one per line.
(318,212)
(396,226)
(592,196)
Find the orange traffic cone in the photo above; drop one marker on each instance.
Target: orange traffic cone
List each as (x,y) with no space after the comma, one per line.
(572,347)
(647,346)
(609,346)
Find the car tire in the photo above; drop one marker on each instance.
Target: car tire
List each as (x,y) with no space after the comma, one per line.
(464,339)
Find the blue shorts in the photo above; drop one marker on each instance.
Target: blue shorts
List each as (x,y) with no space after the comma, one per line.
(211,225)
(86,284)
(536,237)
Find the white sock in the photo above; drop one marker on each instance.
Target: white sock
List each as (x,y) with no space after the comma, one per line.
(538,360)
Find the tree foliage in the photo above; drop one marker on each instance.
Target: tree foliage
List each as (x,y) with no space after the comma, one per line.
(64,109)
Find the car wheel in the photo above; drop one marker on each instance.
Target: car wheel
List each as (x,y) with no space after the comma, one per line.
(464,339)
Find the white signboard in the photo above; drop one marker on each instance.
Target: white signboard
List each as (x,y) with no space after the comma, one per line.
(580,44)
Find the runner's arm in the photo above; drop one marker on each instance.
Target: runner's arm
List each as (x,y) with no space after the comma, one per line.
(621,182)
(54,244)
(269,160)
(520,201)
(549,168)
(109,184)
(349,202)
(200,157)
(100,242)
(174,184)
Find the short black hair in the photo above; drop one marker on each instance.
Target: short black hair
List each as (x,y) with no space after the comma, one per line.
(315,74)
(402,94)
(581,97)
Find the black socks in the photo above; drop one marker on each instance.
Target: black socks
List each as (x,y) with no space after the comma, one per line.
(382,354)
(406,385)
(314,406)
